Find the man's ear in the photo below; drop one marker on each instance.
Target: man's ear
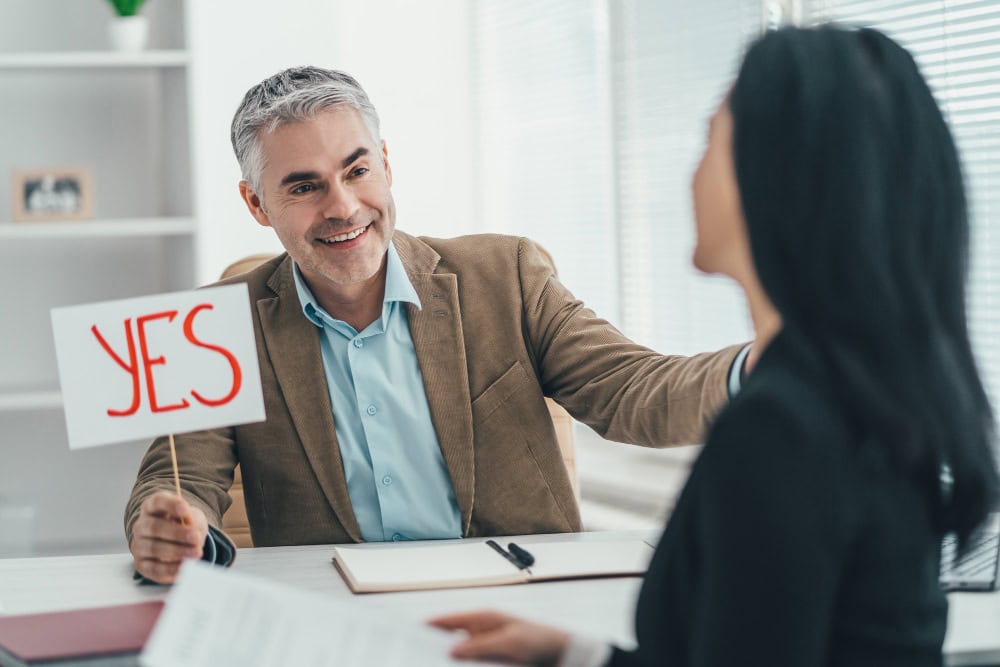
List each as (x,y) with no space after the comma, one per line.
(254,204)
(385,161)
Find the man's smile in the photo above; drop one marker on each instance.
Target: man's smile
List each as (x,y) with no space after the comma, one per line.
(346,236)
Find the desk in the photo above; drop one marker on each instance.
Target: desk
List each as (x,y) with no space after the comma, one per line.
(597,607)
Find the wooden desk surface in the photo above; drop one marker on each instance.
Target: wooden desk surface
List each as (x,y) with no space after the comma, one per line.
(598,607)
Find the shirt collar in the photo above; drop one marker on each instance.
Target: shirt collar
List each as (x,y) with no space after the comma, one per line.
(397,284)
(397,288)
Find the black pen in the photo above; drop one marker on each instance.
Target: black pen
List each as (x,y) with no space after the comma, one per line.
(522,555)
(503,552)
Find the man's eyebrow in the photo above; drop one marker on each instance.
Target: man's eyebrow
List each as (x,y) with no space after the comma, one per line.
(354,156)
(298,176)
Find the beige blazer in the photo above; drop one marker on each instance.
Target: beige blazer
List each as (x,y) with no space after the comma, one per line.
(496,333)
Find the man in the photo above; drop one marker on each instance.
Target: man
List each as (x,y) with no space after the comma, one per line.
(404,378)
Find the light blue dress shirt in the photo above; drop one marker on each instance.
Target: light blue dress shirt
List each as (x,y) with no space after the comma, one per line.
(399,484)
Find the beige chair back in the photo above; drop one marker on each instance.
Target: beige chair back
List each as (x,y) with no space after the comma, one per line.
(235,522)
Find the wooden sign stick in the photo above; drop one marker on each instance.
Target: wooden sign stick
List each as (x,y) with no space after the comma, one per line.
(173,459)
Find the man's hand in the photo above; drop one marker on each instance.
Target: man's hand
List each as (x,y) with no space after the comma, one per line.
(167,531)
(496,636)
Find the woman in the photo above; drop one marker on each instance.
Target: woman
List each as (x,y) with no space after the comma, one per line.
(809,529)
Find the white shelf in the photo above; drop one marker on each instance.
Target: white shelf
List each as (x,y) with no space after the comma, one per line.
(78,229)
(93,59)
(30,400)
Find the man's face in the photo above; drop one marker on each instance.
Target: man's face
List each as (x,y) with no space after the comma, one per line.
(325,190)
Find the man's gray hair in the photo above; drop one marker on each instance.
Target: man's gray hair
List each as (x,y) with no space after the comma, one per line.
(293,95)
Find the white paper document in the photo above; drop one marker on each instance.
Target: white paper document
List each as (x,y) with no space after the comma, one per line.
(217,618)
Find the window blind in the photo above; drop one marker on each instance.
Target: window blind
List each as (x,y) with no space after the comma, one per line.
(672,64)
(544,138)
(591,118)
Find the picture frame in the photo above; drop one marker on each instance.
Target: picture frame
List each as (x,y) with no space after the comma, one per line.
(54,194)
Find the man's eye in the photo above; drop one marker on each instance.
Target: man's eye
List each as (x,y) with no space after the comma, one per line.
(303,188)
(360,171)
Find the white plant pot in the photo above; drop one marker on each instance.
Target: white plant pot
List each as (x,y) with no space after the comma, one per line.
(128,33)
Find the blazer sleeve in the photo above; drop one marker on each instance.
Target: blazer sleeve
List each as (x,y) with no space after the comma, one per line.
(622,390)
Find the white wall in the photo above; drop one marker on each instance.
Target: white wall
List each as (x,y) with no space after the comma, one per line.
(412,58)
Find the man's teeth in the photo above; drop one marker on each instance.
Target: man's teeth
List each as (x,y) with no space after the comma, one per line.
(346,237)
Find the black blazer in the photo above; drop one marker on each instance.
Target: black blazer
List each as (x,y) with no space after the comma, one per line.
(793,542)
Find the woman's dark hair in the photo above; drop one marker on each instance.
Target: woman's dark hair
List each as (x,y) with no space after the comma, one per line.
(855,207)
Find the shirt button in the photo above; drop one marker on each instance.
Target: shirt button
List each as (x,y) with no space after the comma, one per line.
(372,409)
(387,480)
(358,343)
(396,537)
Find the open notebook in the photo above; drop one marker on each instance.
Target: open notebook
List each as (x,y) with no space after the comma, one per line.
(465,564)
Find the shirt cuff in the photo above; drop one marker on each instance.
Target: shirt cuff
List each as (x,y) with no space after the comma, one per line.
(217,550)
(585,652)
(736,371)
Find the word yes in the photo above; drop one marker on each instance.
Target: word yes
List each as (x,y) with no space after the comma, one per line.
(144,369)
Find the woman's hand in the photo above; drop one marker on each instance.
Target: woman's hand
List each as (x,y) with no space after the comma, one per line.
(496,636)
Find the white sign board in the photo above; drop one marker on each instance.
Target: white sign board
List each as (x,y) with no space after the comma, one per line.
(170,363)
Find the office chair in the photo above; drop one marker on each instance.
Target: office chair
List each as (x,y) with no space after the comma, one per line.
(235,522)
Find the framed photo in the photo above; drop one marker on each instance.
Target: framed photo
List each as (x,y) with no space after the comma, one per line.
(52,194)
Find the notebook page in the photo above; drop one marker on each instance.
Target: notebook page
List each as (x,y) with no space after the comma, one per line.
(557,560)
(425,566)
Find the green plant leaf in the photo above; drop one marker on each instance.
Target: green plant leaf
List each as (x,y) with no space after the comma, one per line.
(126,7)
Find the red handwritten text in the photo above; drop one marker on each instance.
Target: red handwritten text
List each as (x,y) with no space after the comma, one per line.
(139,364)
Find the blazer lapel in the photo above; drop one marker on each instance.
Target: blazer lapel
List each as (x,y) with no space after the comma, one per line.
(293,350)
(436,329)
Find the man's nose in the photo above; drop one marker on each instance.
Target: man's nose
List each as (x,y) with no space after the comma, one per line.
(340,202)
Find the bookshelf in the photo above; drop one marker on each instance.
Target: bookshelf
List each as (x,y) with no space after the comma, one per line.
(70,101)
